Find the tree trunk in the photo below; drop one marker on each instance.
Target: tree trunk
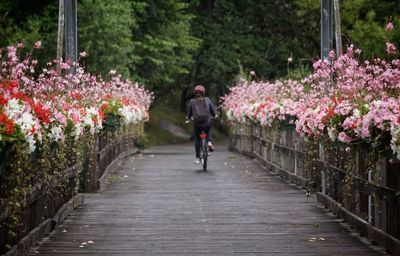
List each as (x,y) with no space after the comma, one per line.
(184,99)
(207,5)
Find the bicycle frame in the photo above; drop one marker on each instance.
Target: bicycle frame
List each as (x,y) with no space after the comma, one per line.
(203,150)
(203,147)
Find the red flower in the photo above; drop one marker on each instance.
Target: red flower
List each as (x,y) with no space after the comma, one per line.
(76,96)
(3,100)
(107,97)
(9,127)
(11,86)
(125,101)
(32,130)
(330,112)
(95,120)
(20,96)
(42,112)
(3,118)
(104,106)
(101,113)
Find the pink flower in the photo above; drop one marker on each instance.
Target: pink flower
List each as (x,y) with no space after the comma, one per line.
(252,73)
(390,48)
(64,65)
(60,117)
(343,137)
(38,45)
(365,132)
(83,54)
(332,55)
(389,26)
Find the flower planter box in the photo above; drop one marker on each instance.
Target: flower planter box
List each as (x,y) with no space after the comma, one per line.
(366,195)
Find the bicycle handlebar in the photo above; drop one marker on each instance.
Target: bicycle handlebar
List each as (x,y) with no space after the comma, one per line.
(191,119)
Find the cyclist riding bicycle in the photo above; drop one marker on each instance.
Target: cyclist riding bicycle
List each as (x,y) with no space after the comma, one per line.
(201,110)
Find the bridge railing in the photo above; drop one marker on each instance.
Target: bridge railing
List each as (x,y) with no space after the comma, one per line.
(36,190)
(355,186)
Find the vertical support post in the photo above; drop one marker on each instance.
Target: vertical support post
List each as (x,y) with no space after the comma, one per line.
(380,203)
(321,157)
(321,153)
(338,32)
(296,155)
(370,198)
(71,40)
(326,32)
(326,28)
(60,35)
(323,183)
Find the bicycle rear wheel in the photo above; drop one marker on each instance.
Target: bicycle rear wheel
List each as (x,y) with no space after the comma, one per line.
(204,150)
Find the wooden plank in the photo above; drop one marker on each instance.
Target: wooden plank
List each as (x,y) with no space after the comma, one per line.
(160,203)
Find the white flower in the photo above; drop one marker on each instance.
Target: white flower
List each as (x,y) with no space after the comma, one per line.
(78,131)
(13,108)
(56,134)
(332,134)
(87,120)
(31,144)
(26,122)
(357,113)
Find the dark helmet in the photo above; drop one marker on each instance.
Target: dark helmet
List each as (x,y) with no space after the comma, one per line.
(199,89)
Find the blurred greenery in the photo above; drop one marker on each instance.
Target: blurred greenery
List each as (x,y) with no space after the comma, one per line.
(172,45)
(167,111)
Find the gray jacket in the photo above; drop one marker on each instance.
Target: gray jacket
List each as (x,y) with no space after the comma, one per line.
(210,108)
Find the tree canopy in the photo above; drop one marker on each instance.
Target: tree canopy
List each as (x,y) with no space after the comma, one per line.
(172,45)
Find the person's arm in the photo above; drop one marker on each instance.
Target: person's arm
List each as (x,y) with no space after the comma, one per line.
(212,109)
(190,110)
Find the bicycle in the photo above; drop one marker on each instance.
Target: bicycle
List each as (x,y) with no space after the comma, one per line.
(203,148)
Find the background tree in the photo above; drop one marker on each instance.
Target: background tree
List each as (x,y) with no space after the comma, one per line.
(105,34)
(27,22)
(164,46)
(239,36)
(172,45)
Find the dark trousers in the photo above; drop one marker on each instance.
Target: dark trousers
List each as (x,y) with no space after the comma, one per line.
(197,139)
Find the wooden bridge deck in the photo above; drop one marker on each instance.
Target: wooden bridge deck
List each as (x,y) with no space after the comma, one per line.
(160,203)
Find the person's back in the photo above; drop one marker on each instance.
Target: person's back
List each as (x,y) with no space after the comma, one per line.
(201,110)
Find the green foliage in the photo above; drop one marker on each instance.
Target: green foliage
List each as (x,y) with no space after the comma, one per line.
(363,24)
(240,36)
(172,45)
(368,35)
(164,46)
(104,29)
(153,130)
(143,142)
(24,21)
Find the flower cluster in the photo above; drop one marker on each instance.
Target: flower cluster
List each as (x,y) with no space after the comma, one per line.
(53,103)
(348,100)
